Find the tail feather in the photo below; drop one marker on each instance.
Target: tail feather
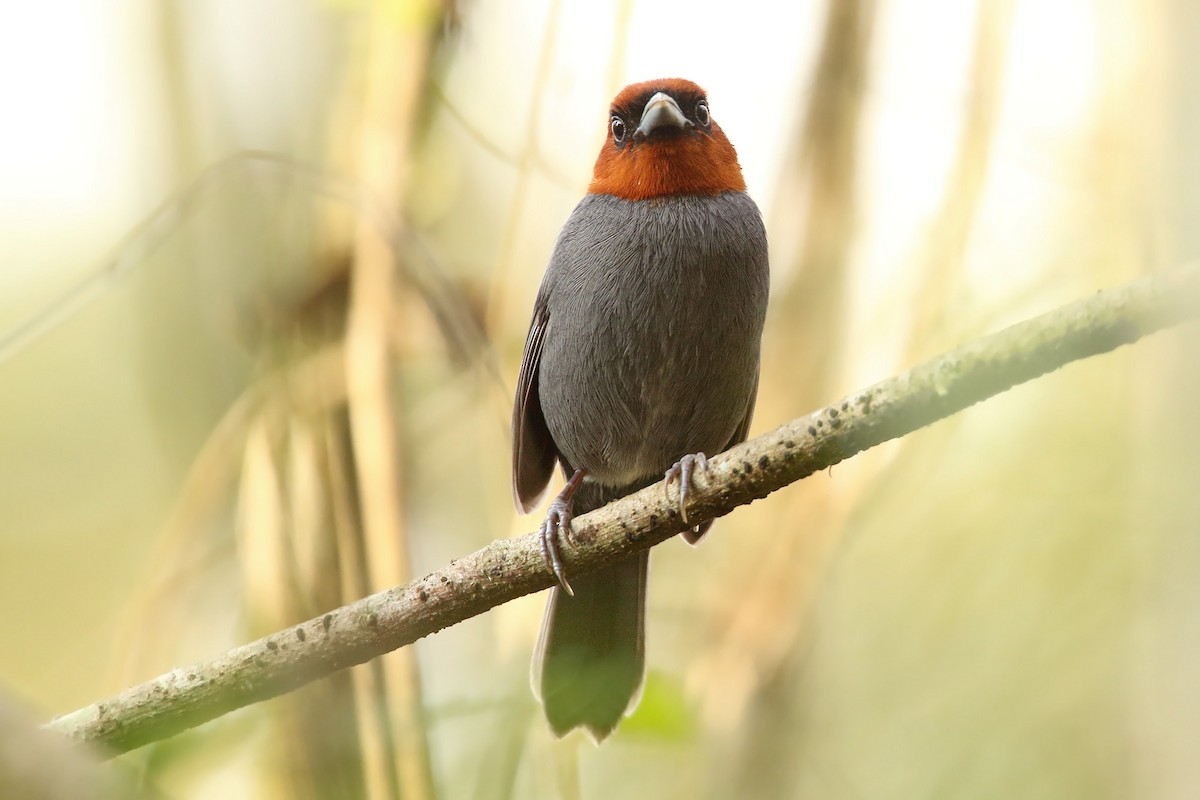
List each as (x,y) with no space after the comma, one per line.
(592,649)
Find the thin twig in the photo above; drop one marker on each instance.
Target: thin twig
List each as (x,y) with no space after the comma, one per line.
(507,569)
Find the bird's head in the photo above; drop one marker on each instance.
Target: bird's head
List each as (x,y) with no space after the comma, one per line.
(662,141)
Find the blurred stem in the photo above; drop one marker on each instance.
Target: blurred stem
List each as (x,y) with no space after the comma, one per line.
(395,61)
(824,168)
(507,569)
(946,245)
(817,207)
(528,159)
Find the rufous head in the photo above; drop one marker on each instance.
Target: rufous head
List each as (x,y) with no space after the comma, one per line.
(663,141)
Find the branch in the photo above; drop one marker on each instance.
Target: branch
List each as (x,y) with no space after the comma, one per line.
(507,569)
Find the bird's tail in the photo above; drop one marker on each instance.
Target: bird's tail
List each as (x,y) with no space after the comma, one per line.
(591,653)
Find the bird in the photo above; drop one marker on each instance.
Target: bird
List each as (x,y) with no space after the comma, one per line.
(642,357)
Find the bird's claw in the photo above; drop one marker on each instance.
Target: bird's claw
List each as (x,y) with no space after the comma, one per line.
(682,470)
(556,526)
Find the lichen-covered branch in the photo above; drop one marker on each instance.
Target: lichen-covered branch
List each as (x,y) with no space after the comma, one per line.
(353,634)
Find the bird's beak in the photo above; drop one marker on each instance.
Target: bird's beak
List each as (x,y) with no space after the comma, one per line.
(661,111)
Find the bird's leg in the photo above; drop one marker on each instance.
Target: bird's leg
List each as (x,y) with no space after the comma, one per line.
(556,524)
(681,470)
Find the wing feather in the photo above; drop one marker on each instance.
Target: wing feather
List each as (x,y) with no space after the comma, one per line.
(534,452)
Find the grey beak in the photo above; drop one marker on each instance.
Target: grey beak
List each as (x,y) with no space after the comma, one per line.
(661,111)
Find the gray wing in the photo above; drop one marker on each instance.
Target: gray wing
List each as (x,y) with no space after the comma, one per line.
(534,452)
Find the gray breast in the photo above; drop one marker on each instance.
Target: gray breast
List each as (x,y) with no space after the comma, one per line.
(656,311)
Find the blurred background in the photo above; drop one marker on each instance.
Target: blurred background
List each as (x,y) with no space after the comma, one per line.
(265,274)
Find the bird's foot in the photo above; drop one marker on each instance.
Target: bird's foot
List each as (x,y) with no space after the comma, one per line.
(556,526)
(682,471)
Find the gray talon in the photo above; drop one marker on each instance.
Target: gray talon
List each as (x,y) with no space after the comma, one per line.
(682,470)
(556,525)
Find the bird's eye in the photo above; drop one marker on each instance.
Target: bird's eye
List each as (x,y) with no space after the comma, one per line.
(618,129)
(702,113)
